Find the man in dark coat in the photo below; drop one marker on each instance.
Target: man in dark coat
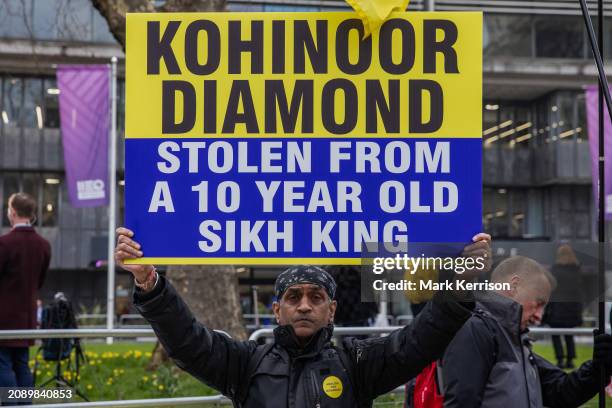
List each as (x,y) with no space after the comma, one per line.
(24,260)
(302,368)
(494,347)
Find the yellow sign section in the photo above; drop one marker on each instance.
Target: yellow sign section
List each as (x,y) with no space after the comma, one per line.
(332,386)
(199,75)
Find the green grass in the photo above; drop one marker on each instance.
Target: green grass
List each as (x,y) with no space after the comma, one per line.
(119,371)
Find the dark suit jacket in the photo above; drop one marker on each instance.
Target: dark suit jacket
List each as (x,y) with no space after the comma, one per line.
(24,260)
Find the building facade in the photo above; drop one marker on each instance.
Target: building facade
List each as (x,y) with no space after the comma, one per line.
(536,164)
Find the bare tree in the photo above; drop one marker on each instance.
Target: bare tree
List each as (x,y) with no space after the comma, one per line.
(114,10)
(211,292)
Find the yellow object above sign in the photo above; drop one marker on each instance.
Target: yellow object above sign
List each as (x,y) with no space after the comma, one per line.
(374,12)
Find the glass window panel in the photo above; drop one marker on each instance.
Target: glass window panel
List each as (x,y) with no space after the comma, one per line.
(500,214)
(487,208)
(274,7)
(519,207)
(101,32)
(559,37)
(542,121)
(581,125)
(10,185)
(490,116)
(3,114)
(120,104)
(508,35)
(244,7)
(566,223)
(12,102)
(565,122)
(582,198)
(31,184)
(121,201)
(16,18)
(583,226)
(565,200)
(75,20)
(46,13)
(33,103)
(50,200)
(607,52)
(51,104)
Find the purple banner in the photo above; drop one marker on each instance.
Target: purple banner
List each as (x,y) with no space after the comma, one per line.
(85,119)
(593,125)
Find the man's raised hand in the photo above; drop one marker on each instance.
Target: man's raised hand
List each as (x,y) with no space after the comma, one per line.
(126,249)
(479,248)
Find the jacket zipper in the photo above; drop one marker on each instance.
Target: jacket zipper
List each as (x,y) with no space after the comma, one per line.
(524,370)
(315,388)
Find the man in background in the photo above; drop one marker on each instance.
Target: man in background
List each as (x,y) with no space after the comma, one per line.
(494,348)
(24,260)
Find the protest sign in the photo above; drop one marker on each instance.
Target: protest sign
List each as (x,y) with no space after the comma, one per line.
(276,138)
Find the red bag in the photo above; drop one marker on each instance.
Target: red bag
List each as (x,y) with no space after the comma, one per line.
(426,390)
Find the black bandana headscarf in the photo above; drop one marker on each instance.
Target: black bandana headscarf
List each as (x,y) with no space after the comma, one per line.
(304,274)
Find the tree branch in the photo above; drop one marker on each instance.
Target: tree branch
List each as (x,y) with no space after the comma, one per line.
(114,12)
(193,5)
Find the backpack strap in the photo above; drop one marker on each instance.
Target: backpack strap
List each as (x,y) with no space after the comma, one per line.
(254,362)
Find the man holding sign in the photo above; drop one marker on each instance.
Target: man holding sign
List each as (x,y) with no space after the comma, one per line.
(301,368)
(275,138)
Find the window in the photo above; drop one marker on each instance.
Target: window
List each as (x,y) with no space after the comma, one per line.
(16,18)
(51,116)
(121,199)
(507,124)
(505,212)
(120,104)
(74,19)
(559,37)
(46,18)
(33,103)
(50,200)
(508,35)
(101,32)
(43,187)
(518,212)
(10,185)
(11,101)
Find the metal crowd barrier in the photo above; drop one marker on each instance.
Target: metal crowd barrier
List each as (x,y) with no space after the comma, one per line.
(91,316)
(354,331)
(216,399)
(153,402)
(261,316)
(125,317)
(80,333)
(261,333)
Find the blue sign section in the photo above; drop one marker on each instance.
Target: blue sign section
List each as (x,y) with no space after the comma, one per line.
(299,198)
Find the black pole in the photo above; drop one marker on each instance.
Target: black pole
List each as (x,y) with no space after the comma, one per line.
(595,48)
(604,94)
(601,193)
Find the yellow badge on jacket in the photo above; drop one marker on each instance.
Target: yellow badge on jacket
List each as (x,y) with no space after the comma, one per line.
(332,386)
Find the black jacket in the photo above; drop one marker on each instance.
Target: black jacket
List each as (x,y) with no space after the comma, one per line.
(284,375)
(565,306)
(503,371)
